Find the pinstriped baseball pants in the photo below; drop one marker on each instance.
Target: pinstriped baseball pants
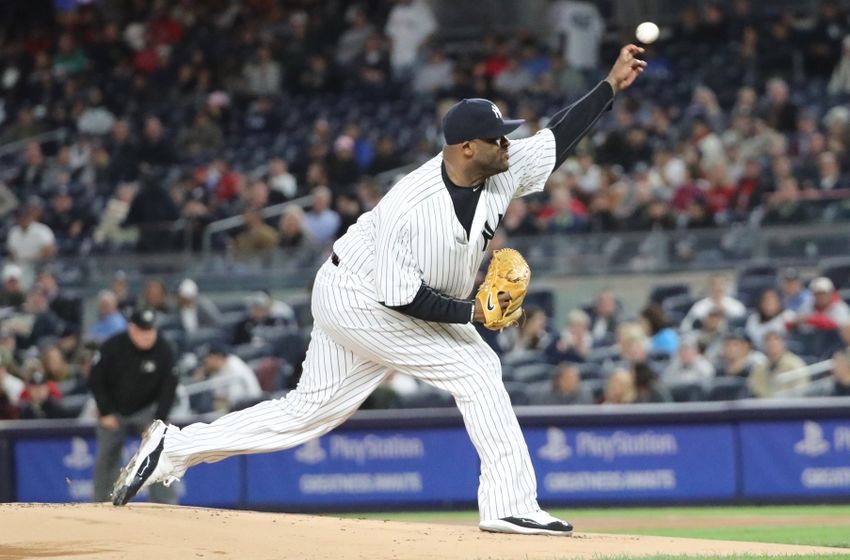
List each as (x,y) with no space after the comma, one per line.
(355,343)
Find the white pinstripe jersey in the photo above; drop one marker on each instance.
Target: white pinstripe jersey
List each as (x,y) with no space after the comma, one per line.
(413,234)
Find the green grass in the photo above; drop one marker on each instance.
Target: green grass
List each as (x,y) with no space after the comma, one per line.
(806,532)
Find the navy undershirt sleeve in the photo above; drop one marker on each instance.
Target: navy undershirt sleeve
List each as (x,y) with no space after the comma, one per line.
(571,123)
(431,305)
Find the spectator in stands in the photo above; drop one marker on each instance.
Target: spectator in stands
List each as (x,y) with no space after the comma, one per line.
(54,365)
(110,229)
(371,68)
(839,83)
(152,210)
(604,317)
(795,295)
(30,243)
(262,75)
(342,167)
(575,341)
(41,399)
(69,309)
(235,382)
(155,149)
(291,229)
(195,310)
(281,182)
(262,312)
(829,170)
(120,286)
(349,210)
(778,111)
(648,389)
(530,336)
(435,74)
(321,221)
(257,238)
(409,25)
(763,380)
(25,126)
(769,316)
(827,311)
(718,298)
(689,365)
(11,387)
(565,387)
(203,137)
(34,321)
(133,381)
(738,358)
(12,294)
(110,321)
(9,350)
(578,30)
(663,339)
(840,375)
(155,296)
(69,223)
(620,388)
(32,174)
(353,39)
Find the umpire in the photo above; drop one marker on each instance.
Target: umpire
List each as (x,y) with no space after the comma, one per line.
(133,382)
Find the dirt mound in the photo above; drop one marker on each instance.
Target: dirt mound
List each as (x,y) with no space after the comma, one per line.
(148,532)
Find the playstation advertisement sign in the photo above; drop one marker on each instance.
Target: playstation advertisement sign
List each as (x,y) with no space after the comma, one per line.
(634,463)
(784,459)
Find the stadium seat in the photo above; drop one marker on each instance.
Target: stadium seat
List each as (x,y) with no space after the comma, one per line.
(676,307)
(686,391)
(518,392)
(837,270)
(201,337)
(531,373)
(661,292)
(728,389)
(543,299)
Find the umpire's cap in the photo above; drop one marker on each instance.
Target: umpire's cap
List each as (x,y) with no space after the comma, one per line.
(144,318)
(476,118)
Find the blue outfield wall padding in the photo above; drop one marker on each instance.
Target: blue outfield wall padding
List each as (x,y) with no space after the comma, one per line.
(718,452)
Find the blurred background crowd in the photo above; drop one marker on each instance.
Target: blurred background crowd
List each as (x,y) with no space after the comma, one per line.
(131,126)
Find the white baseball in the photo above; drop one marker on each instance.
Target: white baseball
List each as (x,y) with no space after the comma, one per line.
(647,32)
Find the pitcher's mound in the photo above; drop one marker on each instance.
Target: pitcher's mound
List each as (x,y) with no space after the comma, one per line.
(148,532)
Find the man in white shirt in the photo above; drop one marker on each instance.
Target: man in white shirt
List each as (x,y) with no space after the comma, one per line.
(718,298)
(409,25)
(581,27)
(30,243)
(237,381)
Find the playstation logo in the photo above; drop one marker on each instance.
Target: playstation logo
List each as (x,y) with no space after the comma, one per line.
(813,444)
(556,447)
(311,453)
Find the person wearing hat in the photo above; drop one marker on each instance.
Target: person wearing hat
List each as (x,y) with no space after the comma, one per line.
(395,296)
(235,381)
(763,378)
(795,295)
(12,295)
(827,311)
(41,398)
(195,310)
(133,381)
(263,312)
(737,359)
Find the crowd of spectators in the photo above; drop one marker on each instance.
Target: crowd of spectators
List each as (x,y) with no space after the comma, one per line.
(176,114)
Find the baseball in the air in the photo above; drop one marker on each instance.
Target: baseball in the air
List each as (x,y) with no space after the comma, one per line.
(647,32)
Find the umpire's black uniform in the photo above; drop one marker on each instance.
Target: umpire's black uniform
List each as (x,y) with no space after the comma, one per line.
(133,381)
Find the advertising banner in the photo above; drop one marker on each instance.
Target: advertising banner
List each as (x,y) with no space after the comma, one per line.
(635,463)
(346,468)
(802,458)
(62,470)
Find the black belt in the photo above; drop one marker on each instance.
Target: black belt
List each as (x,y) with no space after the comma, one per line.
(334,259)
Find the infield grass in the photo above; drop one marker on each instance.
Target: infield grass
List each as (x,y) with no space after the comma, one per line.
(800,525)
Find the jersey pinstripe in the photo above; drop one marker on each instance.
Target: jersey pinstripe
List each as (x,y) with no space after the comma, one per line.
(411,236)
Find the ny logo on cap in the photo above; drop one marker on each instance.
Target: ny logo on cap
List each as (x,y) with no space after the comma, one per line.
(496,110)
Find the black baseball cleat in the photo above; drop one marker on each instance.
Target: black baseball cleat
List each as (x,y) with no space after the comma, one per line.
(148,466)
(534,523)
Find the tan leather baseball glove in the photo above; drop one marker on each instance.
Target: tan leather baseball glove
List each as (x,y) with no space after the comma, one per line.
(508,272)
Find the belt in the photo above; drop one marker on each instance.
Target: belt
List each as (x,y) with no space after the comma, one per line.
(334,259)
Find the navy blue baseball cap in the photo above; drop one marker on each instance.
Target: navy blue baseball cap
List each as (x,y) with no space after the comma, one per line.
(476,118)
